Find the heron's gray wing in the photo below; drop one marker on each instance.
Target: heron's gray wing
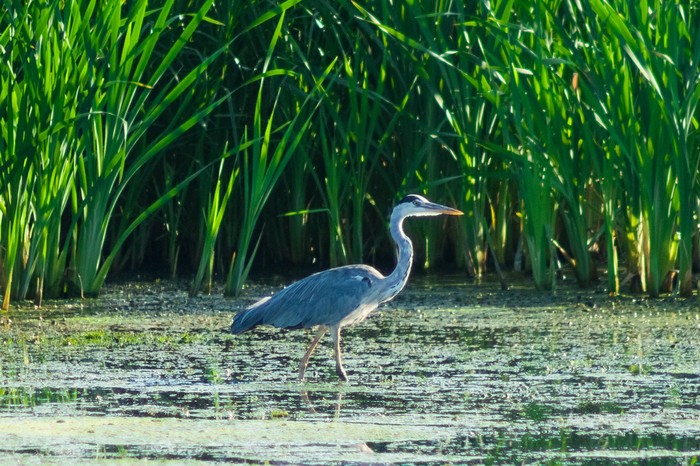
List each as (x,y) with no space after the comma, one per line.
(324,298)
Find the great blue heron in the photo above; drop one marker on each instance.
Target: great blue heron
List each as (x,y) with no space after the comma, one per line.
(342,296)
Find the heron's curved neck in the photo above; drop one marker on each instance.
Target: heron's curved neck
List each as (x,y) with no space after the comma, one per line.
(398,278)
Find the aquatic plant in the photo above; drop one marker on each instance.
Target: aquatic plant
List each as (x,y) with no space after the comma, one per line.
(207,138)
(84,84)
(264,158)
(652,127)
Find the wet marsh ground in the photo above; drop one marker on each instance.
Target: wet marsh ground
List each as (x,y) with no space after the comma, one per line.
(447,373)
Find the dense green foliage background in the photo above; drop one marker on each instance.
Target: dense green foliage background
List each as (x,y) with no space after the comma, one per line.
(203,138)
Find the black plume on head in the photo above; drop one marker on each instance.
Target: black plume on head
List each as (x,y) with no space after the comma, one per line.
(411,198)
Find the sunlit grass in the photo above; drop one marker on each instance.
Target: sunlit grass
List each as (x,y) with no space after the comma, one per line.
(265,156)
(210,138)
(84,82)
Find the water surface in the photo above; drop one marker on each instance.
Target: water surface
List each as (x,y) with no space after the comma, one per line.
(448,372)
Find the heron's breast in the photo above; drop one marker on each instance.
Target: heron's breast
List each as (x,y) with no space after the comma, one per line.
(358,315)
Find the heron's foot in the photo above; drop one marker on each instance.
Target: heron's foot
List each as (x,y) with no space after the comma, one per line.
(341,373)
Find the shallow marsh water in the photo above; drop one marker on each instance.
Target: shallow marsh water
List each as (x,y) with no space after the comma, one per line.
(447,373)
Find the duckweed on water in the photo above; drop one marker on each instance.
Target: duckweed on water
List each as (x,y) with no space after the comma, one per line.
(450,373)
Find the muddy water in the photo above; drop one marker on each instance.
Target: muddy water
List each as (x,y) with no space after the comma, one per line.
(449,372)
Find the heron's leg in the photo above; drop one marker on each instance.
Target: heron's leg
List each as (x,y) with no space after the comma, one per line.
(338,359)
(314,343)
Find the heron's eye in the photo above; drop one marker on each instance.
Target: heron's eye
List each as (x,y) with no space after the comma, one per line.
(415,203)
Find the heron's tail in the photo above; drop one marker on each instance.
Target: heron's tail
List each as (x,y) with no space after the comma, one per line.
(248,319)
(241,323)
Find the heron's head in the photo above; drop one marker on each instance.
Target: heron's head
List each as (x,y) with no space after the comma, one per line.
(414,205)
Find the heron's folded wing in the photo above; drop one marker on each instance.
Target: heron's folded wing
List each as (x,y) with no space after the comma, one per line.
(324,298)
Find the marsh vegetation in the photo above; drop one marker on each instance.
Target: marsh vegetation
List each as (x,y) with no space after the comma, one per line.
(203,138)
(447,373)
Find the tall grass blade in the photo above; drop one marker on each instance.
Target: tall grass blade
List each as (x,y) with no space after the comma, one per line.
(268,151)
(133,99)
(213,218)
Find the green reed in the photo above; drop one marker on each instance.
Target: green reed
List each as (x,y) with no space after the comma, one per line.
(354,145)
(137,91)
(213,218)
(549,129)
(424,40)
(650,115)
(39,103)
(82,90)
(570,128)
(268,149)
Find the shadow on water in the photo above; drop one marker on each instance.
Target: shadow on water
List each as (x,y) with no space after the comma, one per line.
(447,373)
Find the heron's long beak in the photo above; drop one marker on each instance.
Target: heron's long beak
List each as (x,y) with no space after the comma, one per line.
(442,209)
